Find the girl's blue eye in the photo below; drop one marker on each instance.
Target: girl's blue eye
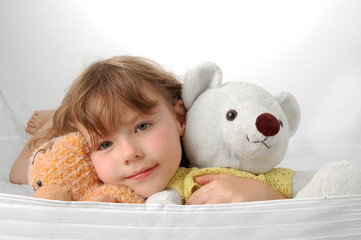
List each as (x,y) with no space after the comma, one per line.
(105,145)
(142,127)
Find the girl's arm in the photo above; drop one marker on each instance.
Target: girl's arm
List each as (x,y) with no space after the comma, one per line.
(19,170)
(227,188)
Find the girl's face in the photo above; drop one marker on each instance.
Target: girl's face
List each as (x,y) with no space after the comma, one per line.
(145,152)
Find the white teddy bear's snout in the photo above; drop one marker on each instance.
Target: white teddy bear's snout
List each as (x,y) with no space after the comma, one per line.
(267,127)
(267,124)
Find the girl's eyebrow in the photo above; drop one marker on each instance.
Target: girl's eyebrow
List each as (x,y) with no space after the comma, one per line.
(129,119)
(141,115)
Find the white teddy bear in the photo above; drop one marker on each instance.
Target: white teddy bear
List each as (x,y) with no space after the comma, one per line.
(241,126)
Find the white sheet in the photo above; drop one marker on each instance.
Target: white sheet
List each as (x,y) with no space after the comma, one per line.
(331,218)
(309,48)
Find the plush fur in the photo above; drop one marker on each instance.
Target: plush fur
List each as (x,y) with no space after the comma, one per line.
(242,126)
(61,170)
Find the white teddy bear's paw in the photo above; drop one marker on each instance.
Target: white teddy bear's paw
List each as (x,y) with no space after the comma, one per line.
(168,196)
(335,178)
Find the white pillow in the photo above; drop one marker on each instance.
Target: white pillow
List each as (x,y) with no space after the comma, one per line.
(12,140)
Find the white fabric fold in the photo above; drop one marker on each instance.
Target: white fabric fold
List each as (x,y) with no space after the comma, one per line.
(317,218)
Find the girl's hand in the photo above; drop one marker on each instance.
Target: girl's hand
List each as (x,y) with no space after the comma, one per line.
(227,188)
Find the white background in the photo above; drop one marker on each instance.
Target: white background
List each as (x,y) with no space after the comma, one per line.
(309,48)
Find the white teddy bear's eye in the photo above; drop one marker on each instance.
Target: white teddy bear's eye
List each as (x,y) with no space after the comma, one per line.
(281,123)
(231,115)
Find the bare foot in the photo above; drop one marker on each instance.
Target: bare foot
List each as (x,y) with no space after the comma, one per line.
(37,120)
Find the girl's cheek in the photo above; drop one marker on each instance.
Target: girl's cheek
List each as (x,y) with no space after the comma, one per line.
(165,142)
(160,139)
(97,162)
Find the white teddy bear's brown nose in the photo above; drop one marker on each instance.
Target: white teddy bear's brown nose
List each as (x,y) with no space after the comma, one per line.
(267,124)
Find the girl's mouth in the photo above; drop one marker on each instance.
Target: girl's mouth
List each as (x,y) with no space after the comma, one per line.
(144,173)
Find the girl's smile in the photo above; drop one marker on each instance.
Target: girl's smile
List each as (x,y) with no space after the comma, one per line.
(142,174)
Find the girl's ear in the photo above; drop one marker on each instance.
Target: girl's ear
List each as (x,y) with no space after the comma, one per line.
(180,115)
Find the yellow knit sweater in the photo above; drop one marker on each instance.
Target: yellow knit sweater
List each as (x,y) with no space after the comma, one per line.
(183,181)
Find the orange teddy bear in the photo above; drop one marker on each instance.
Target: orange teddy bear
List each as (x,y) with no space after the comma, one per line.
(61,170)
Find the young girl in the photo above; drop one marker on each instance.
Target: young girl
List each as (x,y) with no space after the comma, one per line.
(130,111)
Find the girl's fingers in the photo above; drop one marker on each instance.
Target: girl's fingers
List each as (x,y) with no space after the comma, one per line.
(203,180)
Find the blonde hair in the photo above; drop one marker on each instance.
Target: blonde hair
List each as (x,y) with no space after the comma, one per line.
(110,84)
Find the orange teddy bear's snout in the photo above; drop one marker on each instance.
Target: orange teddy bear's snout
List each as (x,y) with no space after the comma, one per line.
(53,192)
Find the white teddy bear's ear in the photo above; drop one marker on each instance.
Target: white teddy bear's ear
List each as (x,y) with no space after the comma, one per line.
(291,109)
(198,79)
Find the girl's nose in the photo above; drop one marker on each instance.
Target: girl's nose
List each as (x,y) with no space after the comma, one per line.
(130,152)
